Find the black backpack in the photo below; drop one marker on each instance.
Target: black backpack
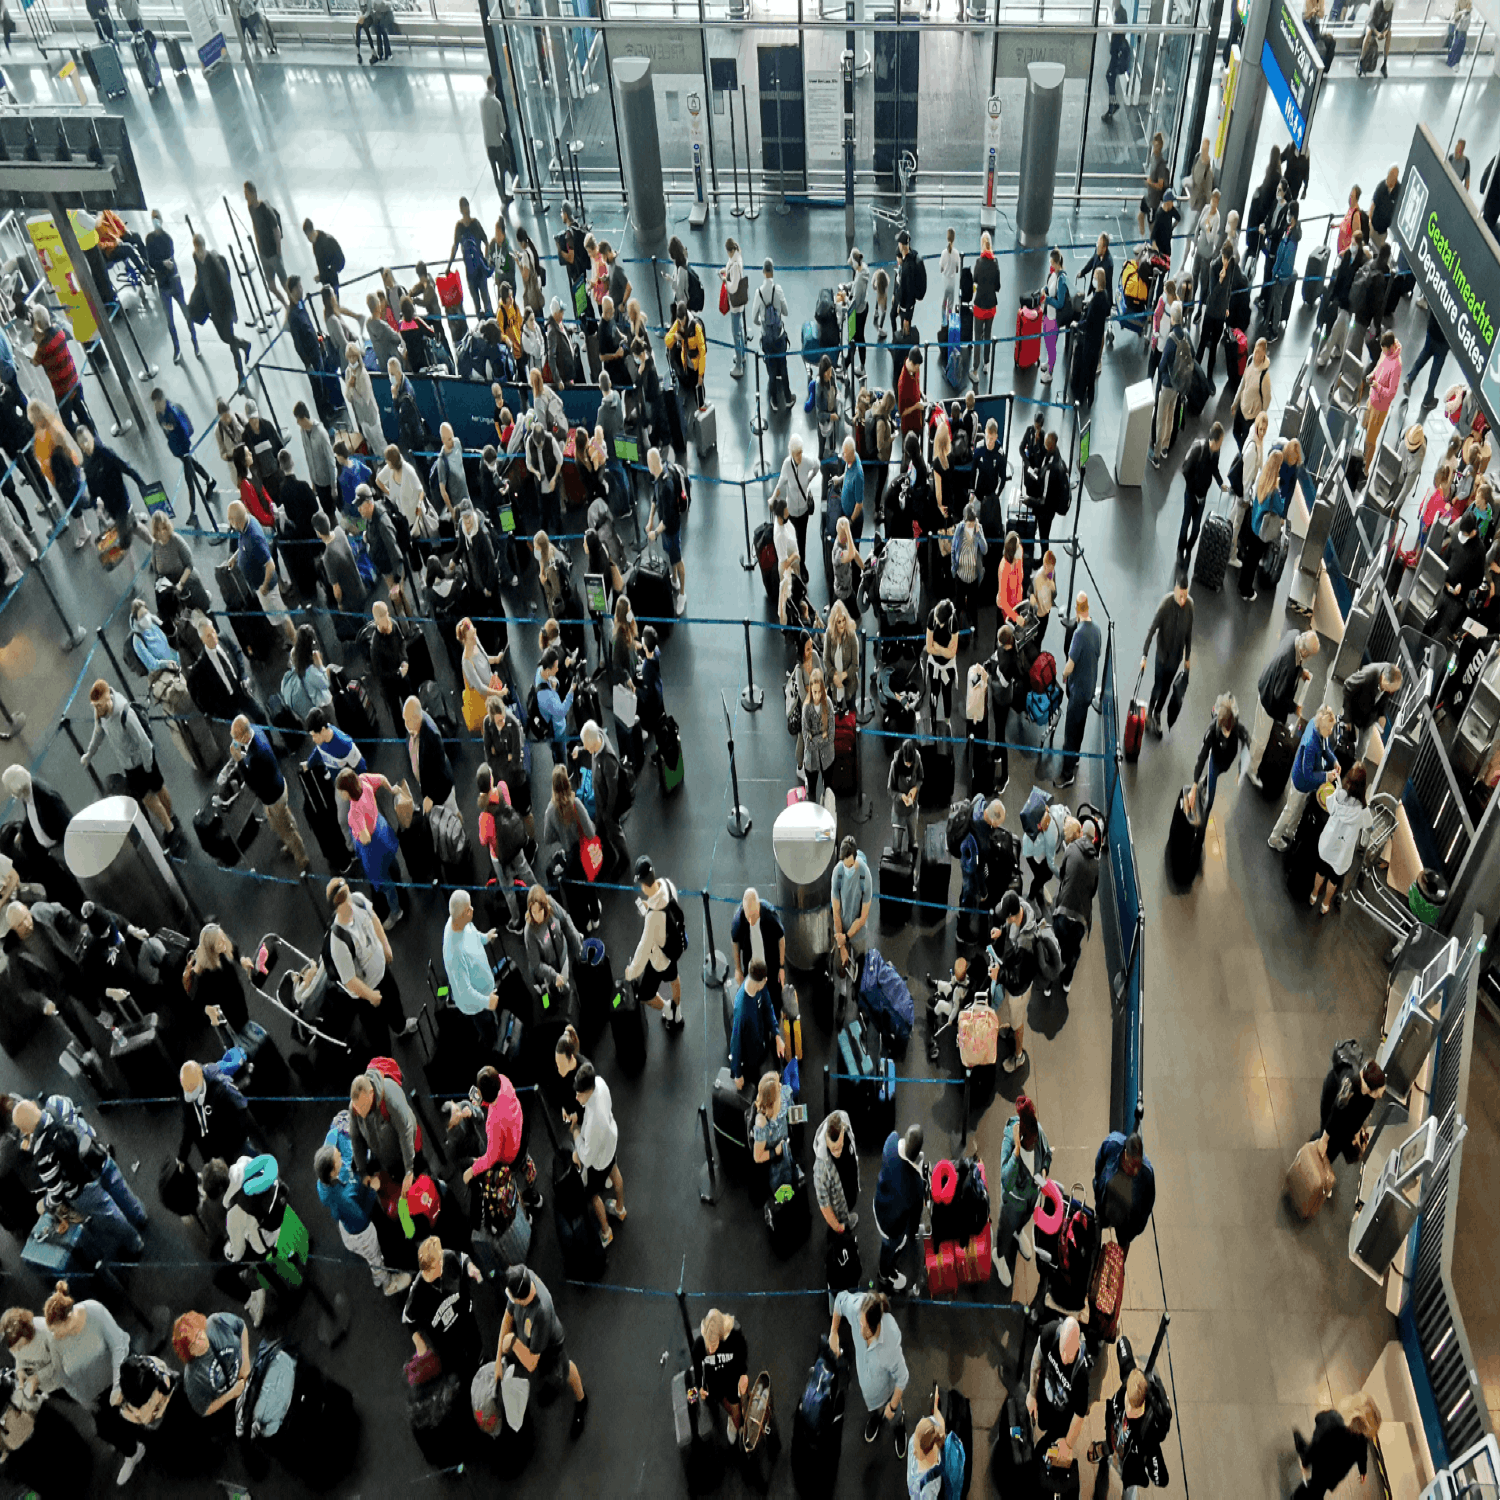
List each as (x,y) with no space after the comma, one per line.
(675,943)
(695,291)
(918,277)
(684,488)
(536,725)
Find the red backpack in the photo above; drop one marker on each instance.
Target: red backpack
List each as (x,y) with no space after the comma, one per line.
(388,1067)
(1043,674)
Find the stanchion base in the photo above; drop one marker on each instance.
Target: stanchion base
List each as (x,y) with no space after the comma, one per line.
(737,211)
(739,822)
(746,565)
(751,699)
(715,968)
(708,1186)
(757,424)
(752,213)
(17,724)
(119,429)
(147,372)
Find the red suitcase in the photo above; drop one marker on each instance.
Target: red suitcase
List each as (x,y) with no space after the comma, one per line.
(1135,722)
(1028,337)
(974,1259)
(942,1269)
(1107,1292)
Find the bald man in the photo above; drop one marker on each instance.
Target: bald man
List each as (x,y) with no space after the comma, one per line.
(215,1115)
(1058,1396)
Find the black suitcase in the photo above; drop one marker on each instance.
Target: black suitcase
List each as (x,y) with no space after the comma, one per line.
(353,710)
(1272,563)
(898,690)
(1276,761)
(897,877)
(1184,846)
(448,1048)
(1300,861)
(1012,1457)
(321,811)
(597,990)
(175,60)
(583,1255)
(1214,542)
(627,1025)
(935,876)
(817,1441)
(143,44)
(731,1112)
(441,1421)
(1064,1483)
(226,828)
(937,775)
(671,768)
(255,633)
(1314,274)
(648,586)
(436,703)
(788,1219)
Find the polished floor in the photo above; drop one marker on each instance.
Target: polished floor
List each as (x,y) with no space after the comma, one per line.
(1245,994)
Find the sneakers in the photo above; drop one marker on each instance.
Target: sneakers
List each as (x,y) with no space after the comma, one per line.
(515,581)
(671,1017)
(128,1467)
(1153,723)
(900,1434)
(1406,385)
(1235,562)
(1252,778)
(1046,374)
(679,604)
(395,1285)
(614,1211)
(256,1306)
(731,1431)
(1155,461)
(393,918)
(606,1237)
(580,1415)
(1002,1272)
(1065,781)
(873,1424)
(1012,1063)
(897,1283)
(1251,597)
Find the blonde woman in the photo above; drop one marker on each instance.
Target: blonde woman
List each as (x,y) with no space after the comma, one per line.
(720,1352)
(479,677)
(1267,516)
(771,1134)
(950,263)
(817,734)
(841,659)
(1341,1439)
(924,1458)
(1254,450)
(212,978)
(847,567)
(553,571)
(360,395)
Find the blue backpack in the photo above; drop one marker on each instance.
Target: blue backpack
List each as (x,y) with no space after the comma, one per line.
(818,1397)
(955,1463)
(773,339)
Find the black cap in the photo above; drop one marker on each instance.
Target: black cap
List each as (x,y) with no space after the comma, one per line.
(645,871)
(903,238)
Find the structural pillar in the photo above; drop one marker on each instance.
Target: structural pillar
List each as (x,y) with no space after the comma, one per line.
(1039,136)
(1244,119)
(640,148)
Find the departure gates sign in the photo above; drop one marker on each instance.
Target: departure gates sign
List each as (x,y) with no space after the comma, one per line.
(1457,265)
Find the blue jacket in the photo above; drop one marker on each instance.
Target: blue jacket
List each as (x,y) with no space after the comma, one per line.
(353,474)
(853,492)
(262,769)
(753,1033)
(1143,1196)
(177,429)
(553,708)
(899,1191)
(346,1197)
(1314,760)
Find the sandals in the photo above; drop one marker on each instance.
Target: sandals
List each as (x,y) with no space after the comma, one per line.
(613,1211)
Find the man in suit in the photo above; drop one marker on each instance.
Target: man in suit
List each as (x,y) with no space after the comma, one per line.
(429,761)
(218,682)
(217,300)
(35,843)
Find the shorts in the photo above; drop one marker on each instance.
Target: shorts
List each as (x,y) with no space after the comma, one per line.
(1013,1013)
(273,266)
(595,1182)
(552,1367)
(144,780)
(1320,864)
(671,542)
(653,979)
(274,606)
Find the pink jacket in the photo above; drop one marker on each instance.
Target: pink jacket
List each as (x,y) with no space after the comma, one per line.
(502,1128)
(1385,380)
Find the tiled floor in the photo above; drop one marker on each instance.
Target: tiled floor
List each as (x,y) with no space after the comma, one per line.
(1246,994)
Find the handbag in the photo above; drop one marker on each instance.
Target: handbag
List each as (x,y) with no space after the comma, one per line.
(421,1369)
(623,701)
(591,856)
(724,298)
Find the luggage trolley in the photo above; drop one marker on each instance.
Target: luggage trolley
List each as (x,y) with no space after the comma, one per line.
(1424,900)
(1134,313)
(895,218)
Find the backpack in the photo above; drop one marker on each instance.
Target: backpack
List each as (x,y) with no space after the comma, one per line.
(510,832)
(624,791)
(695,291)
(675,943)
(773,339)
(684,489)
(918,277)
(536,726)
(387,1067)
(955,1467)
(818,1409)
(448,836)
(1043,674)
(960,820)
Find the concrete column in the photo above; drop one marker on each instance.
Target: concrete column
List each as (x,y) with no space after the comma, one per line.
(1240,164)
(640,148)
(1039,135)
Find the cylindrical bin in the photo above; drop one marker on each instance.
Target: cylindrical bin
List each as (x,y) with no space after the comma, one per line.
(640,148)
(805,841)
(1040,129)
(112,851)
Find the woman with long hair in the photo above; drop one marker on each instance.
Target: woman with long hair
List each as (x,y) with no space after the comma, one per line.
(847,568)
(1266,513)
(59,459)
(738,290)
(1348,826)
(253,494)
(1342,1438)
(360,395)
(171,559)
(529,268)
(304,685)
(841,659)
(567,822)
(939,661)
(212,979)
(553,571)
(504,742)
(817,734)
(502,833)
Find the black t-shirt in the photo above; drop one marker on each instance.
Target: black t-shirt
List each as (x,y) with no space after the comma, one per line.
(722,1369)
(443,1308)
(1062,1390)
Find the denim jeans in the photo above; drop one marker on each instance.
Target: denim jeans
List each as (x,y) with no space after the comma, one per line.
(737,328)
(108,1234)
(112,1180)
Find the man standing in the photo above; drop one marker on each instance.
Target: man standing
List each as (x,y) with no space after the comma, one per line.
(1383,202)
(911,278)
(258,567)
(263,776)
(328,256)
(909,392)
(497,142)
(1172,629)
(467,965)
(1369,695)
(663,942)
(878,1360)
(665,521)
(770,316)
(217,300)
(1058,1395)
(265,223)
(217,682)
(1081,676)
(362,960)
(382,1130)
(1200,468)
(1124,1186)
(753,1037)
(1077,881)
(900,1192)
(852,889)
(532,1334)
(756,933)
(1278,689)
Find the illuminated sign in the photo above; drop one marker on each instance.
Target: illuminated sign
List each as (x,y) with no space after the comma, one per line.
(1293,67)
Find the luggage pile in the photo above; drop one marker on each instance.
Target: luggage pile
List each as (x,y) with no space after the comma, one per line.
(959,1251)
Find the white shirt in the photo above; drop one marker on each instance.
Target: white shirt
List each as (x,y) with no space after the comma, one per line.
(405,489)
(786,541)
(796,485)
(599,1135)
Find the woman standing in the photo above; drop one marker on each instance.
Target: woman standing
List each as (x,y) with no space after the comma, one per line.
(950,263)
(1054,299)
(503,836)
(374,840)
(360,395)
(59,459)
(304,685)
(847,568)
(1266,516)
(92,1348)
(817,734)
(1341,1439)
(212,979)
(39,1369)
(771,1134)
(252,491)
(170,559)
(555,575)
(624,668)
(554,947)
(567,823)
(505,753)
(1025,1161)
(1012,587)
(1347,828)
(827,408)
(939,662)
(1044,593)
(924,1459)
(720,1352)
(794,606)
(841,657)
(1222,744)
(942,490)
(477,667)
(229,434)
(529,265)
(738,290)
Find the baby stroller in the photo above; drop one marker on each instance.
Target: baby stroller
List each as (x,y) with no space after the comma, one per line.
(1138,282)
(321,1010)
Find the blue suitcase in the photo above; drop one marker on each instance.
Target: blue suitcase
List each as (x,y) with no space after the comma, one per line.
(110,74)
(954,367)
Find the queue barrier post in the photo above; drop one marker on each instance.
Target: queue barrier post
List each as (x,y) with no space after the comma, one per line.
(17,723)
(715,965)
(864,710)
(752,697)
(109,651)
(72,734)
(739,818)
(748,561)
(72,634)
(708,1179)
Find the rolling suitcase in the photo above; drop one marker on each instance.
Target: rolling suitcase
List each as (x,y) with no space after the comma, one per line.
(731,1121)
(788,1219)
(1012,1458)
(1107,1291)
(1301,857)
(1272,563)
(1135,723)
(1214,542)
(321,811)
(765,555)
(842,778)
(648,586)
(1061,1480)
(670,766)
(104,63)
(959,1420)
(1309,1181)
(692,1423)
(1276,761)
(935,875)
(818,1427)
(596,993)
(953,367)
(937,776)
(143,44)
(255,633)
(1236,352)
(1184,845)
(627,1025)
(175,60)
(1314,274)
(706,428)
(1028,337)
(226,826)
(897,879)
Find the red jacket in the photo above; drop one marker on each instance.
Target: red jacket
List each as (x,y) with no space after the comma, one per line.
(502,1128)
